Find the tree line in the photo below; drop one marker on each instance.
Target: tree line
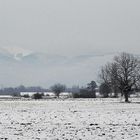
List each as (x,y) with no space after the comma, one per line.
(16,91)
(121,75)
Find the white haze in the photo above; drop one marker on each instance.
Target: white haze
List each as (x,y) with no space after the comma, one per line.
(64,30)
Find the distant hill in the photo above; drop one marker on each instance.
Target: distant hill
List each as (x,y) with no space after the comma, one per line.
(19,66)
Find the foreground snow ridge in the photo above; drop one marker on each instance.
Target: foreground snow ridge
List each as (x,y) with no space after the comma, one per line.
(72,120)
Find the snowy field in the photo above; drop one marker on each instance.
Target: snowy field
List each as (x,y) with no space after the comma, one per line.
(79,119)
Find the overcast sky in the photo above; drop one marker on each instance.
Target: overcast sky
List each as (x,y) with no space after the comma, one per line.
(71,27)
(67,28)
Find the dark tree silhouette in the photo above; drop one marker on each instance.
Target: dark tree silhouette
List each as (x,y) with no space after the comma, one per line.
(92,88)
(104,90)
(123,73)
(108,76)
(38,96)
(58,88)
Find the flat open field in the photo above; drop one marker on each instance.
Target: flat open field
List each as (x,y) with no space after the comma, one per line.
(82,119)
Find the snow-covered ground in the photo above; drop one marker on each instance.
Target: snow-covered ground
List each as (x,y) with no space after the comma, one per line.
(78,119)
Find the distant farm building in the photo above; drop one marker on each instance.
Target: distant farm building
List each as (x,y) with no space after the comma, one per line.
(47,94)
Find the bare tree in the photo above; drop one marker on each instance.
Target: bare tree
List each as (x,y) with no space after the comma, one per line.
(122,73)
(58,88)
(108,77)
(128,73)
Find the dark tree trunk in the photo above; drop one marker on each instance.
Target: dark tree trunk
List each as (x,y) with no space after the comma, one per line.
(57,94)
(105,95)
(126,97)
(94,94)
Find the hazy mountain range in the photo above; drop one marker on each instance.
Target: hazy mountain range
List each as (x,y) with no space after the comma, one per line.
(20,66)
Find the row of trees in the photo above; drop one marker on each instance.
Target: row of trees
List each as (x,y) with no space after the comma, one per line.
(16,91)
(87,92)
(122,75)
